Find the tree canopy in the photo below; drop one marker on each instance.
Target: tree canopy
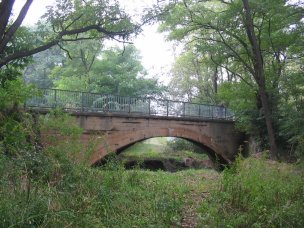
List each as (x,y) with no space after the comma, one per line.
(255,42)
(69,20)
(108,71)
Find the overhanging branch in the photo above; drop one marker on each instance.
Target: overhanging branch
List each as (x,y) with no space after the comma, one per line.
(25,53)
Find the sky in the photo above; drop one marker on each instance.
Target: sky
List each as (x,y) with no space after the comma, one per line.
(157,54)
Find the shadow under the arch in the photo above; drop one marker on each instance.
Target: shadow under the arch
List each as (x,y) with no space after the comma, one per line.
(218,161)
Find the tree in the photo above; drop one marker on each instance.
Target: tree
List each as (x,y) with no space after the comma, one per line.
(109,71)
(250,39)
(38,71)
(75,70)
(69,21)
(194,78)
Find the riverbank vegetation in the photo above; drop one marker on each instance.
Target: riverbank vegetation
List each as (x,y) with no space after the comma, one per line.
(256,192)
(50,189)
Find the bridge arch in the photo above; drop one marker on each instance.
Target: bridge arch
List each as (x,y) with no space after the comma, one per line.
(203,144)
(218,138)
(213,156)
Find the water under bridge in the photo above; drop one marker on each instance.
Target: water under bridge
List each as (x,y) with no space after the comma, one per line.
(123,121)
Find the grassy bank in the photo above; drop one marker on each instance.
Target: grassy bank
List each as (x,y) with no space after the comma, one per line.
(71,195)
(256,193)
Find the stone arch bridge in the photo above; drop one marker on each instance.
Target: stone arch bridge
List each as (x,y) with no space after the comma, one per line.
(123,121)
(219,138)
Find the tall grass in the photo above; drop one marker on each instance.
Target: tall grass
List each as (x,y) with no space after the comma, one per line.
(78,196)
(257,193)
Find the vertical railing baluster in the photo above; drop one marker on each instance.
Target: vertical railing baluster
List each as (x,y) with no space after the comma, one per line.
(184,109)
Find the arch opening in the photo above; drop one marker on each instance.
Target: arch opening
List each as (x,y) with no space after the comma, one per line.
(167,153)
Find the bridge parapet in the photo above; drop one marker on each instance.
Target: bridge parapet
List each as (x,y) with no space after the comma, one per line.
(76,101)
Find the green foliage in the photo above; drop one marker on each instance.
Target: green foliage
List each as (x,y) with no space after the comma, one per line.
(62,122)
(241,98)
(193,78)
(110,71)
(179,144)
(256,193)
(162,148)
(292,111)
(38,71)
(64,21)
(16,132)
(14,93)
(22,40)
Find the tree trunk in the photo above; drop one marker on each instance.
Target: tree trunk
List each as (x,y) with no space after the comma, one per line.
(259,76)
(269,122)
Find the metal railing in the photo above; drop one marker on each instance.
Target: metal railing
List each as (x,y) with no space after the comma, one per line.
(94,102)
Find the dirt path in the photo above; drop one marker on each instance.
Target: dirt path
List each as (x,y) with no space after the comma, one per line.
(194,200)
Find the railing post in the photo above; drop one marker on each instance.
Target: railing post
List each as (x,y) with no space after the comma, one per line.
(225,110)
(55,97)
(199,110)
(106,106)
(184,109)
(167,107)
(82,106)
(149,106)
(212,111)
(129,104)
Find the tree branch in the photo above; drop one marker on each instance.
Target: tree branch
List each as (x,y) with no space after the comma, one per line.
(233,72)
(236,54)
(6,7)
(65,50)
(26,53)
